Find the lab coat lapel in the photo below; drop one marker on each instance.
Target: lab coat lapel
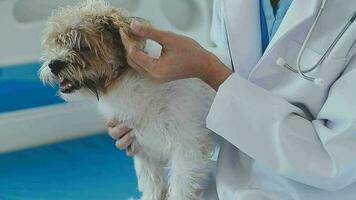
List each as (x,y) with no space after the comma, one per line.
(295,26)
(242,22)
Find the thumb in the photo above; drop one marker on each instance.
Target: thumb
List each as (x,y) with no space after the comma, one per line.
(147,31)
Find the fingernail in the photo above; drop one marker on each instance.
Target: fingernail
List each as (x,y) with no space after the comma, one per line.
(135,25)
(117,144)
(129,153)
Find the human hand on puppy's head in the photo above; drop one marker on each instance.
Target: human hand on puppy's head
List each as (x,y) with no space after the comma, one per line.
(181,57)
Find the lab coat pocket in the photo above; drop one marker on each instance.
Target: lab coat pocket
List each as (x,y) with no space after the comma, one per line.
(269,74)
(328,70)
(294,88)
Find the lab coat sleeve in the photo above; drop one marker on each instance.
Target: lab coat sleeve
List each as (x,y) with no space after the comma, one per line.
(319,153)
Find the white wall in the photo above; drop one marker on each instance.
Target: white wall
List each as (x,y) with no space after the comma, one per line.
(21,22)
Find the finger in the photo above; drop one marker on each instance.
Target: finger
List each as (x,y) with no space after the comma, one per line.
(128,48)
(119,131)
(135,56)
(123,145)
(125,40)
(125,141)
(131,153)
(147,31)
(142,59)
(112,123)
(132,149)
(137,67)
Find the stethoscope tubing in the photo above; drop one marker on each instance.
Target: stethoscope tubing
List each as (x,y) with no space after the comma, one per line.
(324,56)
(280,61)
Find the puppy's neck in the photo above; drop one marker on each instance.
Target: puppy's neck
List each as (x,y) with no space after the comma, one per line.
(130,79)
(129,95)
(112,83)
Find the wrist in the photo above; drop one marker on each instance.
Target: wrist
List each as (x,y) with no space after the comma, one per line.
(214,71)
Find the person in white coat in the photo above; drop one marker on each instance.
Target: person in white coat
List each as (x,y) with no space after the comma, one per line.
(289,133)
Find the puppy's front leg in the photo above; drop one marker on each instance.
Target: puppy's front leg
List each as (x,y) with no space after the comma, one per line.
(189,170)
(150,178)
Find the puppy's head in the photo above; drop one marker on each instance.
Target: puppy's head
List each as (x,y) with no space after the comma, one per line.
(82,47)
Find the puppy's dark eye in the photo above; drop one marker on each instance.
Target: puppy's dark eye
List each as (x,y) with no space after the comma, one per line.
(84,48)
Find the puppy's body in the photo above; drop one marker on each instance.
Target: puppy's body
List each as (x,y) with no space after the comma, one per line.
(161,114)
(169,126)
(168,119)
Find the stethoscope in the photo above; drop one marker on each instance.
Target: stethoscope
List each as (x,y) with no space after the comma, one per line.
(282,62)
(319,81)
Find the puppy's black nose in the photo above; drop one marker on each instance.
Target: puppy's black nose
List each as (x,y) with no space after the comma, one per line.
(56,66)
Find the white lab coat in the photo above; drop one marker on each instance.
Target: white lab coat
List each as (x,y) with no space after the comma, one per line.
(284,137)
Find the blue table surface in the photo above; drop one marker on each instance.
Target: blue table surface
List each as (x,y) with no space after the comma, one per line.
(89,168)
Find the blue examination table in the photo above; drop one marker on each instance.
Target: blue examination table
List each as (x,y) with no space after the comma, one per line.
(83,169)
(88,168)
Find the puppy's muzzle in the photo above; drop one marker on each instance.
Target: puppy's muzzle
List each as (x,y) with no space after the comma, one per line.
(65,85)
(56,66)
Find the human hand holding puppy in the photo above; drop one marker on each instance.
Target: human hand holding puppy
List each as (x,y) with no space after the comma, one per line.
(123,135)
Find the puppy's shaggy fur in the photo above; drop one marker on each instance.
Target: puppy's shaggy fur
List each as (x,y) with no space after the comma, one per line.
(83,52)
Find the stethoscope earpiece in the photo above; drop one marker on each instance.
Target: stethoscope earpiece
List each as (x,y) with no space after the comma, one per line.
(319,81)
(282,63)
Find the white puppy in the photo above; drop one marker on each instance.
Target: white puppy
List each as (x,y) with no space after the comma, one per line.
(84,54)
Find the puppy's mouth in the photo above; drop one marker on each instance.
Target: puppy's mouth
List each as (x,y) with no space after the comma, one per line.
(66,86)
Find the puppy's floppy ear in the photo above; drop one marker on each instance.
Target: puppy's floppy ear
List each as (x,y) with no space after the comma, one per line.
(116,22)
